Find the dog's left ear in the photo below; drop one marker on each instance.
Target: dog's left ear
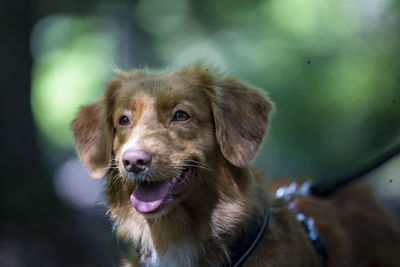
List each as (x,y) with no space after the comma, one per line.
(241,115)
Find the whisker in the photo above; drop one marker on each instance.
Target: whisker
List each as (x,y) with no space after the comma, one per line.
(195,165)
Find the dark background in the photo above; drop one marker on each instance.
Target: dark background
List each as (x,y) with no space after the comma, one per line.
(331,67)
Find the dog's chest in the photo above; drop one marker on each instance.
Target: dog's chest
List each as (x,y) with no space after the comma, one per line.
(176,255)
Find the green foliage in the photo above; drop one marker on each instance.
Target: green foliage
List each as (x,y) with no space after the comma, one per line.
(73,61)
(331,67)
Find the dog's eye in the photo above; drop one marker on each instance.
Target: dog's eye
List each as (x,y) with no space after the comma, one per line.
(124,121)
(181,116)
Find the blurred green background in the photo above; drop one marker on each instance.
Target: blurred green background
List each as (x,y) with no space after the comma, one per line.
(331,67)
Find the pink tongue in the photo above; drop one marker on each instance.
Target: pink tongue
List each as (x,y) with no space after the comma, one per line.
(148,197)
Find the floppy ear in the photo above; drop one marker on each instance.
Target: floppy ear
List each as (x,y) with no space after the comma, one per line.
(94,133)
(241,115)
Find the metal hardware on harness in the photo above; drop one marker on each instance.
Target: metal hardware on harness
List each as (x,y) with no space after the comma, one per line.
(287,193)
(292,190)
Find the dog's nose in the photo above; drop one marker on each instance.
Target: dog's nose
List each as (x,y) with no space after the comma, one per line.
(136,160)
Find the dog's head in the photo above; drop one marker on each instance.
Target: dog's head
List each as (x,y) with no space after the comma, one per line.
(160,131)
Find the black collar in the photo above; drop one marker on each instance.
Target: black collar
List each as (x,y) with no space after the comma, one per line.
(246,243)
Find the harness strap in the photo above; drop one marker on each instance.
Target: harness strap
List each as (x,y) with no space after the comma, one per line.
(287,193)
(314,236)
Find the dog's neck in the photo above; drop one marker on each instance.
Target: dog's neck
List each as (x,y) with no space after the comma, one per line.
(199,230)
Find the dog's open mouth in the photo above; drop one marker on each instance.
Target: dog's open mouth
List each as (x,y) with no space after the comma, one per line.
(149,196)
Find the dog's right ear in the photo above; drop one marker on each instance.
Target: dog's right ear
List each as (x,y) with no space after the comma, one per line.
(94,133)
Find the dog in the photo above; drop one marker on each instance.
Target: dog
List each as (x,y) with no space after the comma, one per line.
(175,149)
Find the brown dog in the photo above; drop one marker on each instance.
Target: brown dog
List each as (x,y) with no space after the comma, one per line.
(175,149)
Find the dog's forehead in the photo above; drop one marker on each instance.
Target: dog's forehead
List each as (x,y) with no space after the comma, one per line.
(165,91)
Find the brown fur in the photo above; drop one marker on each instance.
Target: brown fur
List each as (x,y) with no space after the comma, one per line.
(226,128)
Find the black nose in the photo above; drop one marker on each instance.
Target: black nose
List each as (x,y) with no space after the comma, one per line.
(136,160)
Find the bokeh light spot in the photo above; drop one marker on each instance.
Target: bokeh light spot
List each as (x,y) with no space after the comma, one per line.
(69,74)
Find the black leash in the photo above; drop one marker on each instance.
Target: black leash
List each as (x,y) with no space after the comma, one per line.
(325,188)
(245,244)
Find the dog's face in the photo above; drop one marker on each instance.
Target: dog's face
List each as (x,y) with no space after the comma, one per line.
(162,132)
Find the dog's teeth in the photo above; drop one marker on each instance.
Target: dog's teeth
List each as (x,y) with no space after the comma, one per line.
(174,180)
